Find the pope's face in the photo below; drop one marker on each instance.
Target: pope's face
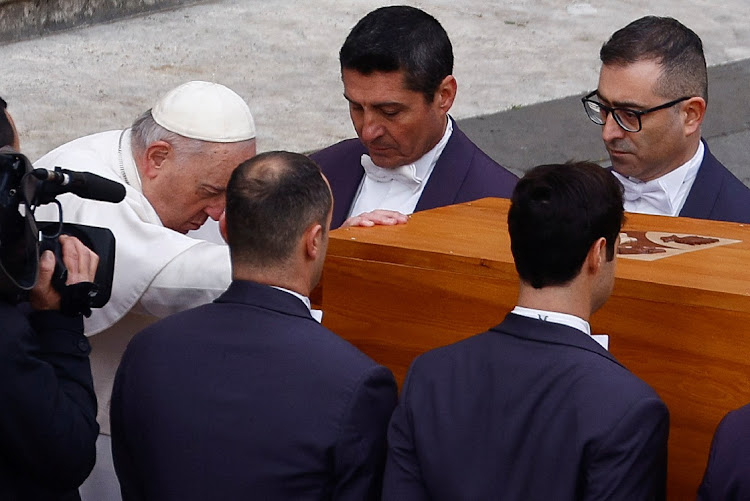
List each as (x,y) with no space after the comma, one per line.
(192,186)
(397,125)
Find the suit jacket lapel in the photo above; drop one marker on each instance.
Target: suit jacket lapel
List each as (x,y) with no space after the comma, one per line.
(345,178)
(705,190)
(449,173)
(550,333)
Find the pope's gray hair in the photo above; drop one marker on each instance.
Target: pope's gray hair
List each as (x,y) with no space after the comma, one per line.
(146,131)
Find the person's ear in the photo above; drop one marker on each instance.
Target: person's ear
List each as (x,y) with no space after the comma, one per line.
(314,241)
(156,155)
(694,109)
(446,93)
(596,256)
(223,226)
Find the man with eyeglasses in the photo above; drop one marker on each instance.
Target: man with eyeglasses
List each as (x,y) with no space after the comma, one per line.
(651,101)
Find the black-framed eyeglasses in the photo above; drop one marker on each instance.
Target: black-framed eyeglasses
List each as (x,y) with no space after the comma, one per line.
(629,120)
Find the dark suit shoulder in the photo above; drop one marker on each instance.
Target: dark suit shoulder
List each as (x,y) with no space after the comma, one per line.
(347,150)
(278,406)
(525,401)
(733,203)
(717,194)
(485,177)
(597,375)
(729,460)
(245,328)
(733,435)
(483,163)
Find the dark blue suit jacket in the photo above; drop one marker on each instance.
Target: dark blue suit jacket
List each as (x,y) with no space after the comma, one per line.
(716,194)
(529,410)
(727,476)
(248,398)
(462,173)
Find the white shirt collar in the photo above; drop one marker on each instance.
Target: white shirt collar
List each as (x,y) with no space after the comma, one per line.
(399,194)
(316,314)
(668,193)
(425,164)
(564,319)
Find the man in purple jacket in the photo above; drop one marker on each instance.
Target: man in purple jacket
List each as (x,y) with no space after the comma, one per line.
(396,66)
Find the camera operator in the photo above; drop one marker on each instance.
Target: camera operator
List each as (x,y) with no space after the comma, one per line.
(48,423)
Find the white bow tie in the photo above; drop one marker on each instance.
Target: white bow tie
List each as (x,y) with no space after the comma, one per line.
(650,192)
(406,174)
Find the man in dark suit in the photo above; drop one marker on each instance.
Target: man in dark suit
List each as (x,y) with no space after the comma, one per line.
(535,409)
(396,66)
(727,476)
(650,102)
(249,397)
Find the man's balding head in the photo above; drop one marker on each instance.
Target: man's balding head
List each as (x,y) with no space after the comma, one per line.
(272,199)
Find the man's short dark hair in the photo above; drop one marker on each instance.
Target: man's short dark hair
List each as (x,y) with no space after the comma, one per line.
(271,200)
(7,135)
(557,212)
(665,40)
(400,38)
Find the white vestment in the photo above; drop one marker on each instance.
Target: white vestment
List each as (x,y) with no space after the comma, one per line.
(158,271)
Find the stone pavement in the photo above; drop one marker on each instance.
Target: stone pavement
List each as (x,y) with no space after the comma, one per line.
(516,63)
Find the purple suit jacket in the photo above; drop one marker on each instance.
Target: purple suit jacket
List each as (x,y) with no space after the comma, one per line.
(716,194)
(462,173)
(727,476)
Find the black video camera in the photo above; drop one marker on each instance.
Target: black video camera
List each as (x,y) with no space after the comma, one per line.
(22,239)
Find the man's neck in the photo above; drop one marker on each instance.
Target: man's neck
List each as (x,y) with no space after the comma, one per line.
(438,138)
(562,299)
(677,162)
(280,276)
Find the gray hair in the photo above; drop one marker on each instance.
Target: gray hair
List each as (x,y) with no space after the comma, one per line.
(146,131)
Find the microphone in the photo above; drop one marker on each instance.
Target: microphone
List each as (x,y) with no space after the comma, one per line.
(83,184)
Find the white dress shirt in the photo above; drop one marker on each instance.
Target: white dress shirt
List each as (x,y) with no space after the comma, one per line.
(316,314)
(663,196)
(564,319)
(398,188)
